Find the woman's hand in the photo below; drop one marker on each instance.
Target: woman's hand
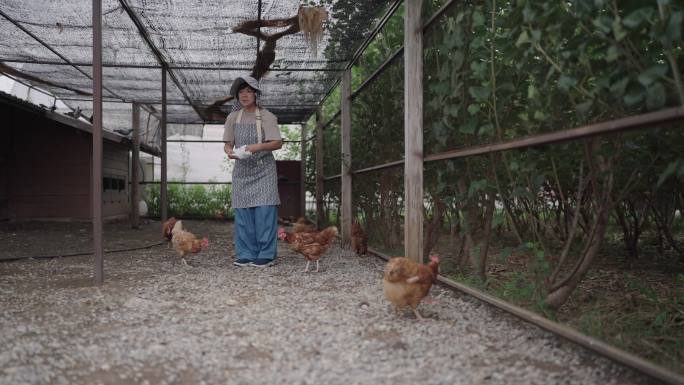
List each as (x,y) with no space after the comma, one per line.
(228,149)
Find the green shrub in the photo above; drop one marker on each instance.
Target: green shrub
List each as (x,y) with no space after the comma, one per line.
(191,201)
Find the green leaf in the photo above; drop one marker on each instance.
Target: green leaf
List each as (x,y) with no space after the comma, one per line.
(478,18)
(674,26)
(536,35)
(532,91)
(468,128)
(618,88)
(522,39)
(670,170)
(634,96)
(603,24)
(652,73)
(612,54)
(477,42)
(655,96)
(475,186)
(565,82)
(479,93)
(637,17)
(618,31)
(660,319)
(473,108)
(539,115)
(486,129)
(584,107)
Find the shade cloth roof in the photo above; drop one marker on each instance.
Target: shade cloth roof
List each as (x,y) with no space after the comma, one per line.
(49,44)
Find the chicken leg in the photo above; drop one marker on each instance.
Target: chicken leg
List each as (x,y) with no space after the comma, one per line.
(306,269)
(418,316)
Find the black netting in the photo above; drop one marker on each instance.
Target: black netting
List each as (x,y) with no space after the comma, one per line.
(198,42)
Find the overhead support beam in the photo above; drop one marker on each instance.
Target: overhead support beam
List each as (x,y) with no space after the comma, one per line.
(135,168)
(346,188)
(413,130)
(96,196)
(320,217)
(165,66)
(163,203)
(176,67)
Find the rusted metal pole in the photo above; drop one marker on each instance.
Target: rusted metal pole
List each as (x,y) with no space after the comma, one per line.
(163,204)
(413,131)
(320,217)
(97,143)
(302,177)
(346,188)
(135,168)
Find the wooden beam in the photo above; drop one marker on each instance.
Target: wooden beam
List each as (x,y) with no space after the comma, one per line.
(320,217)
(345,101)
(302,177)
(413,131)
(97,143)
(163,200)
(135,168)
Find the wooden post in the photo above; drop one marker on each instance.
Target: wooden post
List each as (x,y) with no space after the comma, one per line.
(302,178)
(135,168)
(346,176)
(320,217)
(163,204)
(96,196)
(413,131)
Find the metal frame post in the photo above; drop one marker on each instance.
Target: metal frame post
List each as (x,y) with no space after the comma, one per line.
(346,182)
(135,168)
(97,143)
(163,197)
(320,217)
(302,178)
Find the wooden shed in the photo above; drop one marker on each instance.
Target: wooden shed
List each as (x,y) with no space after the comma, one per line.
(46,163)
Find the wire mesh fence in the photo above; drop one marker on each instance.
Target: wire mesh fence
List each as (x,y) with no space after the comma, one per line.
(553,172)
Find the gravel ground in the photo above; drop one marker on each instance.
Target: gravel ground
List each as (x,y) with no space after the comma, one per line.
(156,321)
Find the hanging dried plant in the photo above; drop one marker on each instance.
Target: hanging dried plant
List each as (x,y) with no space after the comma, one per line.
(311,24)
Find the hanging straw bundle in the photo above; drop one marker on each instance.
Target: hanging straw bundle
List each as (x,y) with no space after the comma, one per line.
(311,24)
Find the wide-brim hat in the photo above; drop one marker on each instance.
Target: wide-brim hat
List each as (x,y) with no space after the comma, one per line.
(242,80)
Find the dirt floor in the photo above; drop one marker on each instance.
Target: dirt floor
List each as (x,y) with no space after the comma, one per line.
(50,239)
(156,321)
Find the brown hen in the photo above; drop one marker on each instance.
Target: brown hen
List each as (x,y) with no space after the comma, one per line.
(311,245)
(185,242)
(359,239)
(406,282)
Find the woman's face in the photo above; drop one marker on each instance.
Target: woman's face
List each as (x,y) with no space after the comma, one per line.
(247,97)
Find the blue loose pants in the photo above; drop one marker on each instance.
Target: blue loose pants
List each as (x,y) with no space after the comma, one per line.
(255,232)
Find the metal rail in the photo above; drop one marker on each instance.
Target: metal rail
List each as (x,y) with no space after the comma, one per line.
(618,355)
(612,126)
(216,141)
(176,67)
(666,116)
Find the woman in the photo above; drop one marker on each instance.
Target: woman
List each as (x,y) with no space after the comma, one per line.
(255,182)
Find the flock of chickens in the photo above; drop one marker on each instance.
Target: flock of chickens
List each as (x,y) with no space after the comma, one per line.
(405,282)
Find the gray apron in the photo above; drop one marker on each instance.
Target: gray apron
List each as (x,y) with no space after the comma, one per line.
(255,180)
